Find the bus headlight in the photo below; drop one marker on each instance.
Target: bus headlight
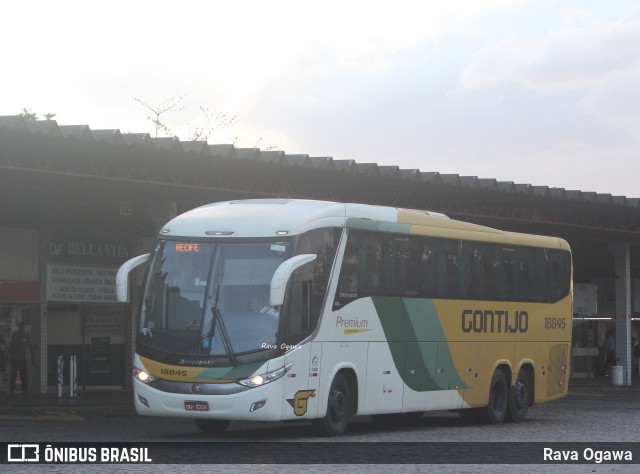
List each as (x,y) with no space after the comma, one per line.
(261,379)
(143,376)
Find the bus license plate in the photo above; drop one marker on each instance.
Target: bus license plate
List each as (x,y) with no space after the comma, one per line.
(193,405)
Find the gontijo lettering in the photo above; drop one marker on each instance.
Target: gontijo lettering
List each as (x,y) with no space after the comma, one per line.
(499,321)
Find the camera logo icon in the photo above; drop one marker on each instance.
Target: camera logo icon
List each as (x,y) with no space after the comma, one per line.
(23,453)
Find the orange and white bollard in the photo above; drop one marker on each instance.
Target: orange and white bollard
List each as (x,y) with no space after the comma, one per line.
(17,388)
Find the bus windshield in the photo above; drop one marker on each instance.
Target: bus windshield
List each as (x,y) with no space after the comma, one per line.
(211,299)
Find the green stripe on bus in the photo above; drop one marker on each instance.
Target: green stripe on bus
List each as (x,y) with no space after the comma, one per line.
(417,343)
(380,226)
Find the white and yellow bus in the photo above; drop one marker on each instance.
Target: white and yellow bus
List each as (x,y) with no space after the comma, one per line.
(269,310)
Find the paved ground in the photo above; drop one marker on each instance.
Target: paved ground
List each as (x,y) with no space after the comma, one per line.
(49,406)
(595,413)
(120,402)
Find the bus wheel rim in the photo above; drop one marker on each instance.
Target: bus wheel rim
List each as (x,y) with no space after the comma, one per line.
(338,405)
(498,404)
(520,391)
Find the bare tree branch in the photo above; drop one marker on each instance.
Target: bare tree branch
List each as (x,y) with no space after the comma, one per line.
(172,104)
(205,127)
(211,123)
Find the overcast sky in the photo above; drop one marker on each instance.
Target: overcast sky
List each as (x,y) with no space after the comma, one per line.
(531,91)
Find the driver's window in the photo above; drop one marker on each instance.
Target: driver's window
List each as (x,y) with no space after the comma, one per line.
(308,284)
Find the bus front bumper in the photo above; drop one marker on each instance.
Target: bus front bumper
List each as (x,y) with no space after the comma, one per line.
(262,403)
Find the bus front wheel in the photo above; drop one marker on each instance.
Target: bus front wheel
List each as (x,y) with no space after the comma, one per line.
(212,427)
(335,421)
(498,399)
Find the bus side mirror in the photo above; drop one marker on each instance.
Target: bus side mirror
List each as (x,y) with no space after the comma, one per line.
(122,277)
(283,273)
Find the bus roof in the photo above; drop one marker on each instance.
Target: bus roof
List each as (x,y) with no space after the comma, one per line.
(282,217)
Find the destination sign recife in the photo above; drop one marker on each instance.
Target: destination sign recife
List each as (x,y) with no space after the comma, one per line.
(190,247)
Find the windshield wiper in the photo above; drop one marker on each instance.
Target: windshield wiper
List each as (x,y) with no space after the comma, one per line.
(190,325)
(217,318)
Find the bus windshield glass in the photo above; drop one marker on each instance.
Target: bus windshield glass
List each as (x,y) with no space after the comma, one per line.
(211,299)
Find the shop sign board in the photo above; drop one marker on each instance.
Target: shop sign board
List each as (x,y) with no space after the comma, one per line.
(81,284)
(82,268)
(585,299)
(80,249)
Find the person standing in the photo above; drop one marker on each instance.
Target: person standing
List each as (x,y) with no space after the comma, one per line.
(610,352)
(19,351)
(3,365)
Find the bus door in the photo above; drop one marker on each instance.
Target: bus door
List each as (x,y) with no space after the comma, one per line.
(302,381)
(384,382)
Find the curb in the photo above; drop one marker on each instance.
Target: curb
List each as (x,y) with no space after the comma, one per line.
(44,416)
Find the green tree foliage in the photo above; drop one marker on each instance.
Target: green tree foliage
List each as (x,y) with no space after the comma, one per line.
(28,114)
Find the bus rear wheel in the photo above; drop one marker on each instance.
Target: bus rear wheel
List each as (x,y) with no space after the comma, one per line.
(496,410)
(338,408)
(519,397)
(212,427)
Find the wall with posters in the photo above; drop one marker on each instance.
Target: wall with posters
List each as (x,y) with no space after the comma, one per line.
(20,291)
(83,317)
(93,333)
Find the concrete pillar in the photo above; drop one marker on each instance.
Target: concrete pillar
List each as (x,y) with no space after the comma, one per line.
(622,256)
(39,382)
(43,363)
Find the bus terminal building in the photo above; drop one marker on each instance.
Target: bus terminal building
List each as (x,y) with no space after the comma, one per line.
(76,203)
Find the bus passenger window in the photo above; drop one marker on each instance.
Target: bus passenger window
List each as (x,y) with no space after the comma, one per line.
(518,274)
(506,271)
(464,269)
(298,322)
(369,269)
(446,269)
(314,277)
(537,265)
(477,273)
(348,285)
(560,274)
(414,267)
(493,272)
(400,262)
(349,282)
(427,257)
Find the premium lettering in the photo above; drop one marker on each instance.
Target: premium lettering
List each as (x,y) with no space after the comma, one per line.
(351,323)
